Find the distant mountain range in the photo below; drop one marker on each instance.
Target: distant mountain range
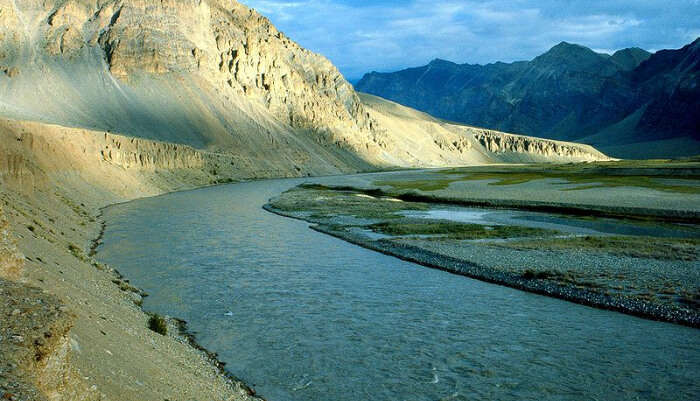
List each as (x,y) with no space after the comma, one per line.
(630,104)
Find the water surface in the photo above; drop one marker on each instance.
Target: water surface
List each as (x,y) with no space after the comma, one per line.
(566,224)
(304,316)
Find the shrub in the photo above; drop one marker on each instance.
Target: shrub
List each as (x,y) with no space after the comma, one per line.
(157,323)
(77,252)
(530,274)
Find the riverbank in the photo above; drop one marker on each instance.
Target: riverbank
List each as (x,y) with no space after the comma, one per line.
(79,321)
(343,322)
(103,348)
(642,276)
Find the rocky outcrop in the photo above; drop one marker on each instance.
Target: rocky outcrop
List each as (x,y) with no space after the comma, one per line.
(34,343)
(231,45)
(234,52)
(424,141)
(35,350)
(32,155)
(149,155)
(11,260)
(499,142)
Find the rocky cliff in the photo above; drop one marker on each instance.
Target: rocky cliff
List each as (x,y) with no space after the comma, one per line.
(424,141)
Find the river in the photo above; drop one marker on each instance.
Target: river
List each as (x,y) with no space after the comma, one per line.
(299,315)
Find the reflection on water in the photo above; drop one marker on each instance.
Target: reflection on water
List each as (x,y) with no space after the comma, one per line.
(567,224)
(304,316)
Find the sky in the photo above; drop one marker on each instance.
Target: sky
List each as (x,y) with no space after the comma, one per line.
(384,35)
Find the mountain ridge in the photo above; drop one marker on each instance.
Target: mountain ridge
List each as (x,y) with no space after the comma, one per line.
(623,103)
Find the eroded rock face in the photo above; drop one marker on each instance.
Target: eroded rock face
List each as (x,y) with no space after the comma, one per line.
(498,142)
(302,88)
(149,155)
(36,347)
(11,260)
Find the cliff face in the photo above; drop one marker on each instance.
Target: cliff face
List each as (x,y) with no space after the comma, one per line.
(498,142)
(232,45)
(421,140)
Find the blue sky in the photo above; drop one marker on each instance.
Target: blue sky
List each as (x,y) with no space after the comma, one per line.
(362,36)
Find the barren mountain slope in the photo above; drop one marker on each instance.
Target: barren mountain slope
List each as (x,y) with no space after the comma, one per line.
(422,140)
(212,74)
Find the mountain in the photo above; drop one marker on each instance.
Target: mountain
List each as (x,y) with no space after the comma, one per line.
(629,104)
(628,59)
(211,74)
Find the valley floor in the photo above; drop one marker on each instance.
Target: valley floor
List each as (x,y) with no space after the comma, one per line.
(72,327)
(632,244)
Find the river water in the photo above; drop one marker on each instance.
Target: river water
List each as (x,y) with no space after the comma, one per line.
(299,315)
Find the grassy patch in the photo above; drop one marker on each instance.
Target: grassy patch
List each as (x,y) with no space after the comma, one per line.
(126,286)
(539,275)
(636,247)
(158,324)
(322,203)
(584,180)
(645,174)
(420,185)
(455,230)
(77,252)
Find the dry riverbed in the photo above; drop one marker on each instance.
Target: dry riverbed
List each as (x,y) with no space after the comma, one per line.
(652,277)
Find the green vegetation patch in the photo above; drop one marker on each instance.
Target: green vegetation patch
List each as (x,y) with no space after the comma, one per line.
(586,181)
(158,324)
(455,230)
(321,202)
(426,185)
(636,247)
(77,252)
(645,174)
